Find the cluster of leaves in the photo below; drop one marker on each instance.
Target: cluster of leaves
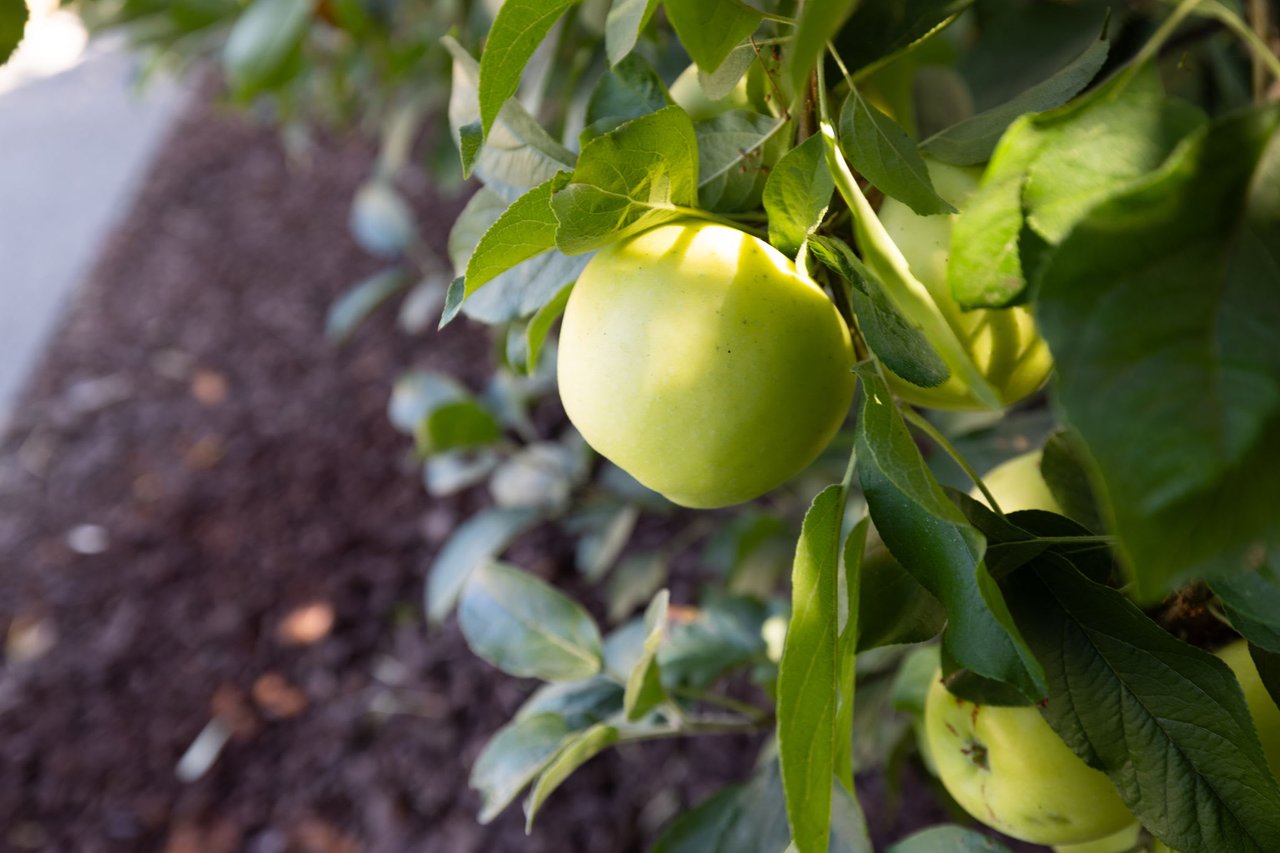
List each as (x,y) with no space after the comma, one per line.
(1130,195)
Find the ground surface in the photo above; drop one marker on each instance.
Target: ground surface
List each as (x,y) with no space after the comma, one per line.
(204,513)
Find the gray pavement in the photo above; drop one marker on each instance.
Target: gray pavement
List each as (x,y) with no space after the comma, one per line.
(72,149)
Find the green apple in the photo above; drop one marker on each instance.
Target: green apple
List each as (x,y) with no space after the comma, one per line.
(1266,716)
(1124,841)
(686,90)
(1004,343)
(1018,484)
(695,358)
(1007,768)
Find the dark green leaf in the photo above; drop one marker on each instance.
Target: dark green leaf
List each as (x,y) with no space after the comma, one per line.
(948,839)
(808,673)
(628,90)
(470,140)
(1066,473)
(709,29)
(581,704)
(518,29)
(623,24)
(1252,602)
(629,180)
(796,195)
(644,685)
(477,540)
(932,540)
(724,634)
(263,44)
(882,152)
(818,24)
(458,425)
(13,21)
(735,153)
(893,607)
(357,303)
(576,751)
(1165,720)
(704,828)
(1199,240)
(513,758)
(881,29)
(902,346)
(1268,665)
(525,627)
(972,140)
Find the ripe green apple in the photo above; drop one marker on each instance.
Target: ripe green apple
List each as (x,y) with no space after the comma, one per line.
(1010,770)
(1018,484)
(686,90)
(1004,343)
(695,358)
(1266,716)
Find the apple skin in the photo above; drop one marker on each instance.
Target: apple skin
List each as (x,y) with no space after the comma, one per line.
(1017,484)
(686,90)
(1265,714)
(695,358)
(1007,768)
(1004,343)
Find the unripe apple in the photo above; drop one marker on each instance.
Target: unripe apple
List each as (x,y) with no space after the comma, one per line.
(1018,484)
(695,358)
(1004,343)
(1266,716)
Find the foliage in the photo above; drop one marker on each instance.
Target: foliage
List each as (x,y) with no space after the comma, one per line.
(1128,199)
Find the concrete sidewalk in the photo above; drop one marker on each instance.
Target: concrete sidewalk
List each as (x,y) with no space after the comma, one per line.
(72,148)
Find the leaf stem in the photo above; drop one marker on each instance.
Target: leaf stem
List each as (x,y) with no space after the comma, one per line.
(1263,54)
(698,213)
(694,726)
(745,709)
(1153,45)
(921,423)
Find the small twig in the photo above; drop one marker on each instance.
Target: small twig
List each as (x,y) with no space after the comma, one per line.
(919,422)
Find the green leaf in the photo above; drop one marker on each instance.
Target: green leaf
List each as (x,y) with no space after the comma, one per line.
(901,345)
(704,828)
(878,148)
(263,44)
(720,83)
(883,29)
(1066,473)
(525,627)
(629,180)
(1268,665)
(525,229)
(932,540)
(540,326)
(893,608)
(1165,720)
(576,751)
(538,476)
(581,704)
(470,141)
(635,580)
(735,153)
(360,301)
(518,29)
(1056,166)
(513,758)
(457,425)
(517,154)
(1199,239)
(796,195)
(517,292)
(808,673)
(709,29)
(948,839)
(623,24)
(475,542)
(381,220)
(630,89)
(416,394)
(13,21)
(818,24)
(723,635)
(1252,603)
(972,140)
(847,650)
(644,684)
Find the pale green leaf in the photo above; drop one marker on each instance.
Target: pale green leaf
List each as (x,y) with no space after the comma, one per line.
(644,685)
(709,29)
(513,758)
(623,24)
(346,313)
(518,29)
(475,542)
(575,752)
